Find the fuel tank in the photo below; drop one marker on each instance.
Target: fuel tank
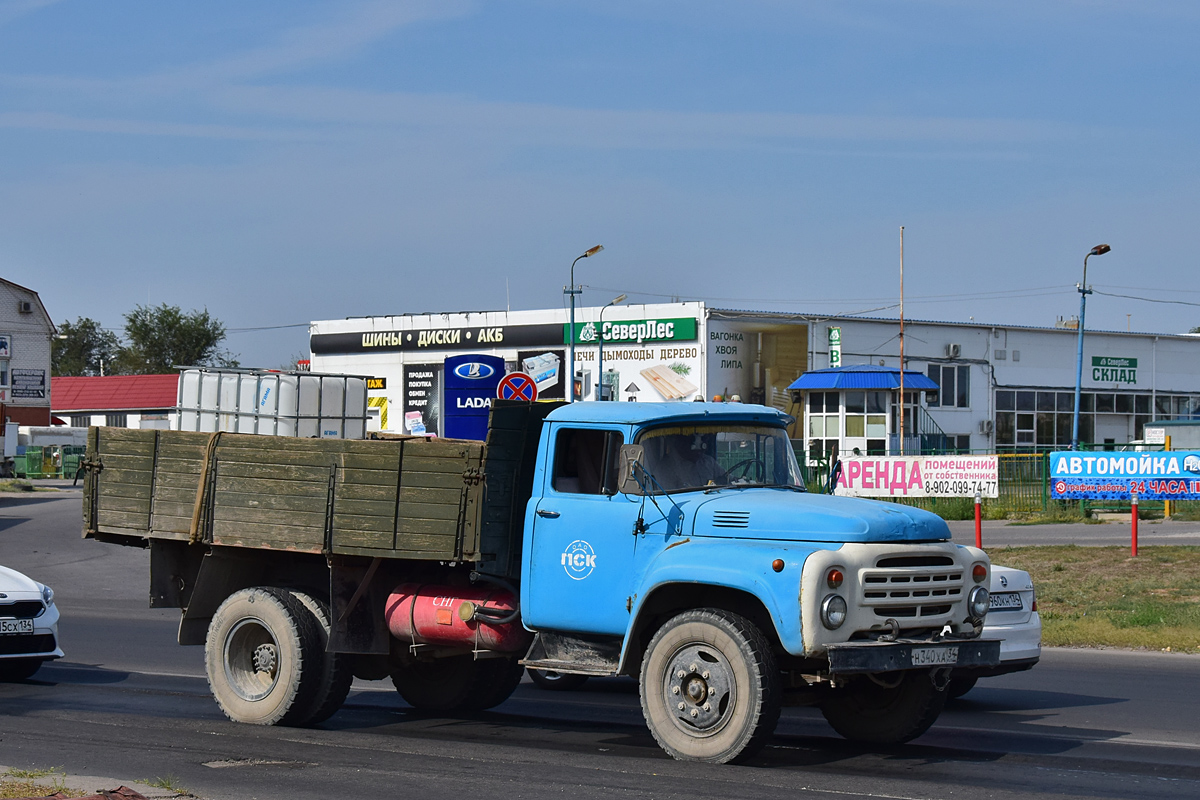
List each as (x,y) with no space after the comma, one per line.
(456,616)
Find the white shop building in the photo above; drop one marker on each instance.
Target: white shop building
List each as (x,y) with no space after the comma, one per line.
(1001,386)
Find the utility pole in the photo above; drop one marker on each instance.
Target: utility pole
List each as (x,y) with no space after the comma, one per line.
(901,340)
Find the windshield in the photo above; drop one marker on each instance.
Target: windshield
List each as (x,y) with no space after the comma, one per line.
(688,457)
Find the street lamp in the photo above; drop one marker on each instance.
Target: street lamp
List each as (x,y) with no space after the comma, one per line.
(572,291)
(1084,291)
(600,335)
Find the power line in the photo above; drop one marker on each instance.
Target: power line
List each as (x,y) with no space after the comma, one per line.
(1147,299)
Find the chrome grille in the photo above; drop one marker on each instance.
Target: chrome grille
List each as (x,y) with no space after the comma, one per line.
(921,588)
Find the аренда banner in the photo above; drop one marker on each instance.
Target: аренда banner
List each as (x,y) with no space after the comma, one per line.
(918,476)
(1115,476)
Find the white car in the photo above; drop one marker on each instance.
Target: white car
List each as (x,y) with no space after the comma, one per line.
(1013,619)
(28,626)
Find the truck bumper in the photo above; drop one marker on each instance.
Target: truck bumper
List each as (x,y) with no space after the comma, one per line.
(859,657)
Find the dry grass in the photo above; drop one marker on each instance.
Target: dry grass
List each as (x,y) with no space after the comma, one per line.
(1100,596)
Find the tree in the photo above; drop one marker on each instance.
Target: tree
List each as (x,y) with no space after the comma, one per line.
(84,348)
(159,338)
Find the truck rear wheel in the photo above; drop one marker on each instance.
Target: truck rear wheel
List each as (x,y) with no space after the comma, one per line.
(335,675)
(889,709)
(710,687)
(495,681)
(259,655)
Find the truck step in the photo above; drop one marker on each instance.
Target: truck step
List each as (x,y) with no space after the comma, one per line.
(580,655)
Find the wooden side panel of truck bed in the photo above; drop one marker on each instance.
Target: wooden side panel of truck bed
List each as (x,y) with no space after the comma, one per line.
(405,497)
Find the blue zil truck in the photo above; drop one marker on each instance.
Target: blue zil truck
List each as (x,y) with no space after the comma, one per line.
(670,542)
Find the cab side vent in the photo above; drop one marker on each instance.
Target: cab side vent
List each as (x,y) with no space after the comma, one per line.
(731,519)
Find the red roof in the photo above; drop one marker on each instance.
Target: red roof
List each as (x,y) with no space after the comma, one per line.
(114,393)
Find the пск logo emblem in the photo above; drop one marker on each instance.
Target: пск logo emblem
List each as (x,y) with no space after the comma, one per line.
(579,559)
(475,371)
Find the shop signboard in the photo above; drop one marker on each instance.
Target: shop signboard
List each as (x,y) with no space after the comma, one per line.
(1113,369)
(633,331)
(436,339)
(1076,475)
(918,476)
(422,398)
(29,384)
(835,347)
(469,385)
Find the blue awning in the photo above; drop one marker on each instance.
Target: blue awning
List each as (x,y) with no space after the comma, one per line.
(863,376)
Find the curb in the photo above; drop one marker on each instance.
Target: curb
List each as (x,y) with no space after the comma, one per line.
(99,787)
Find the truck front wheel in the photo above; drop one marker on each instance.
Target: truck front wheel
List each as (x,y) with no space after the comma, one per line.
(260,656)
(884,709)
(710,687)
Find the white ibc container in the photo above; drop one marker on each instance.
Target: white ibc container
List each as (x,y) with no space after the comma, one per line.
(277,403)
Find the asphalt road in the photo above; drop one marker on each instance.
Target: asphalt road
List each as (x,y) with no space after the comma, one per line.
(1002,533)
(127,702)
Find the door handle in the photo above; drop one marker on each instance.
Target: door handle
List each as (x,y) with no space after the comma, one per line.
(547,514)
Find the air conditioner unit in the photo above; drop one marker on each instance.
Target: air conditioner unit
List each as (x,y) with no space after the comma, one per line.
(985,427)
(25,306)
(953,350)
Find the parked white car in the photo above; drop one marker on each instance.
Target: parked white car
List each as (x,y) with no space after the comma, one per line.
(1013,619)
(28,626)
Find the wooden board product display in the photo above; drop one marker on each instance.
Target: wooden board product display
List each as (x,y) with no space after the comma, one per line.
(668,383)
(401,498)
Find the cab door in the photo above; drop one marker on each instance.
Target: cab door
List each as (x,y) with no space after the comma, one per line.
(582,557)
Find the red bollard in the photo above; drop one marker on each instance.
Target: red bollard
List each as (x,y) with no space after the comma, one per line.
(979,520)
(1134,541)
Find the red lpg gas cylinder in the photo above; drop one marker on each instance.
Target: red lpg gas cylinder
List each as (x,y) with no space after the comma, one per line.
(431,614)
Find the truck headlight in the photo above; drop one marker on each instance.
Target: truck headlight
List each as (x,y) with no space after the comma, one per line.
(978,602)
(833,612)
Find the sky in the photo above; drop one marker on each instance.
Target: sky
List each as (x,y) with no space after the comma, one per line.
(282,162)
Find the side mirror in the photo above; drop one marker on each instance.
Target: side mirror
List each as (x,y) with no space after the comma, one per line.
(631,459)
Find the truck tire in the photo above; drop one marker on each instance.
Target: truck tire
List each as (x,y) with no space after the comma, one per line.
(19,669)
(960,686)
(556,681)
(710,687)
(495,681)
(333,682)
(875,711)
(440,684)
(260,655)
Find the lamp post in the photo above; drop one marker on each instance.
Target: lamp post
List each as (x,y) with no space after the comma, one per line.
(600,338)
(572,291)
(1084,291)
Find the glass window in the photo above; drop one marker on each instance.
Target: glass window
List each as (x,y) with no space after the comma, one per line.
(1066,401)
(856,425)
(81,420)
(1025,422)
(1124,404)
(832,426)
(1087,402)
(683,457)
(877,402)
(585,461)
(1087,428)
(933,398)
(876,425)
(4,373)
(1005,428)
(1006,401)
(1141,404)
(1024,437)
(1062,429)
(1105,404)
(1045,428)
(1045,401)
(816,426)
(1025,401)
(1162,406)
(964,387)
(856,402)
(816,402)
(116,420)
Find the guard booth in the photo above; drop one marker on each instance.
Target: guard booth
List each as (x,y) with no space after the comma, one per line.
(854,410)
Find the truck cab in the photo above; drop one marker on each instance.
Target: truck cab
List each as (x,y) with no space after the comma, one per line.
(644,514)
